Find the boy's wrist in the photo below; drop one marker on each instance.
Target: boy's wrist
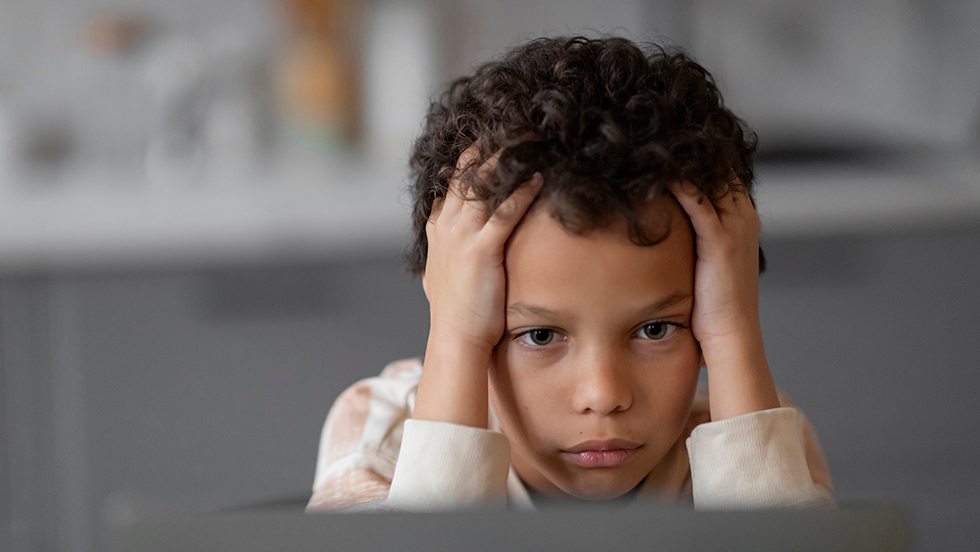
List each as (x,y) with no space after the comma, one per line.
(739,380)
(447,338)
(746,336)
(453,386)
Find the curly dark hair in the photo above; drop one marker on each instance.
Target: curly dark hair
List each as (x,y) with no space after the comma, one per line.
(606,122)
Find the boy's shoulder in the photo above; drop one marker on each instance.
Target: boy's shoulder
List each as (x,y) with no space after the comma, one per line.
(361,437)
(409,367)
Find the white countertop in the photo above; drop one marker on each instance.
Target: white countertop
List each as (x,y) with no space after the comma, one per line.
(814,201)
(306,208)
(320,208)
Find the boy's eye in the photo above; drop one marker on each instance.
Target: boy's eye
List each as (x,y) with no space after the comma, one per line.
(539,337)
(655,330)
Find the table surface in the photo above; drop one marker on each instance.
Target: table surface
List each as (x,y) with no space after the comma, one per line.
(665,527)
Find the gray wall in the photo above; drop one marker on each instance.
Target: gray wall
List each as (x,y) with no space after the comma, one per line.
(877,338)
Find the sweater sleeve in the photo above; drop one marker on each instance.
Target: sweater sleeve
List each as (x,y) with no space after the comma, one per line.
(360,439)
(443,466)
(759,460)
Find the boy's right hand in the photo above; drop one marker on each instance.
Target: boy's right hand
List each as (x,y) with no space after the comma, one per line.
(464,277)
(465,284)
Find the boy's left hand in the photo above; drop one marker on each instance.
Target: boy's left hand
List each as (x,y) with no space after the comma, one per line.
(725,319)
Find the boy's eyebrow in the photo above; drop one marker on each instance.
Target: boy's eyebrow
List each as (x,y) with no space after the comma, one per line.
(521,308)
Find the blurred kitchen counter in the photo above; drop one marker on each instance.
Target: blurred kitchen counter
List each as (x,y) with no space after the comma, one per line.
(311,207)
(299,208)
(897,192)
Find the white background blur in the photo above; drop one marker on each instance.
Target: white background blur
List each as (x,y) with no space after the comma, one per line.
(190,273)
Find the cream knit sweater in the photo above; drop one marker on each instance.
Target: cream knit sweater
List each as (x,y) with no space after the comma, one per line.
(374,456)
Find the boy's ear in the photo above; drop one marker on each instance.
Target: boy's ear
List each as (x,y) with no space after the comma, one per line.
(424,290)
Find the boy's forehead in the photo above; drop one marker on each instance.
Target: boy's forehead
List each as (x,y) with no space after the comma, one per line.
(541,252)
(661,217)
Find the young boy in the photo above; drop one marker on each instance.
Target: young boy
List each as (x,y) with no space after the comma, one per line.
(587,242)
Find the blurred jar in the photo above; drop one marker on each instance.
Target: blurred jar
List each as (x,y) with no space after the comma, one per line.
(108,98)
(317,74)
(176,75)
(399,75)
(236,124)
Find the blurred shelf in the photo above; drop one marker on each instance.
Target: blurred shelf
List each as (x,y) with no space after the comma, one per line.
(316,209)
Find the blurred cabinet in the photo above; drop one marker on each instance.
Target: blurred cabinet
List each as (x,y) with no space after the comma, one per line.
(194,385)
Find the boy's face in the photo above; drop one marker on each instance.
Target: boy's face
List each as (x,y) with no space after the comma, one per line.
(612,356)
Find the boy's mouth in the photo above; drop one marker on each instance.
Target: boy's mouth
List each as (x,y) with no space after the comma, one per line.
(601,454)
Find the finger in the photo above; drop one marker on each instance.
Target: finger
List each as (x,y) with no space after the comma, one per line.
(503,220)
(473,213)
(742,199)
(739,212)
(702,213)
(431,233)
(747,211)
(454,195)
(725,205)
(437,205)
(489,167)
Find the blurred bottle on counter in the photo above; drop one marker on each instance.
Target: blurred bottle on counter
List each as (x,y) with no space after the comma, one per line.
(175,74)
(237,123)
(109,102)
(318,77)
(400,73)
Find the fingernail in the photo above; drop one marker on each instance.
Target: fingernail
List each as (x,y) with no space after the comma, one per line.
(537,179)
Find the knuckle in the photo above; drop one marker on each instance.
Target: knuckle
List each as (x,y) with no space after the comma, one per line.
(727,245)
(482,246)
(514,206)
(507,211)
(748,227)
(454,231)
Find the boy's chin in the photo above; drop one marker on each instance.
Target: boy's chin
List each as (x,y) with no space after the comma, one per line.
(599,492)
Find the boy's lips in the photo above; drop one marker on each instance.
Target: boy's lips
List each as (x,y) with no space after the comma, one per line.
(601,454)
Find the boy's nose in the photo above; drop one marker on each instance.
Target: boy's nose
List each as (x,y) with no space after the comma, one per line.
(603,384)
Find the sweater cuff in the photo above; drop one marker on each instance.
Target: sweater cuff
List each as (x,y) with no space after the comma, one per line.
(444,466)
(756,460)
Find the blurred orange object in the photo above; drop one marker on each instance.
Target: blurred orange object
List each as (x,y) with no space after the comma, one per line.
(113,33)
(318,73)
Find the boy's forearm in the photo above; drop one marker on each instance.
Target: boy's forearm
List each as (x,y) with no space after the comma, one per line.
(453,386)
(738,375)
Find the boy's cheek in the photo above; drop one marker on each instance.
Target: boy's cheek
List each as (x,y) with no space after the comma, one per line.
(524,398)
